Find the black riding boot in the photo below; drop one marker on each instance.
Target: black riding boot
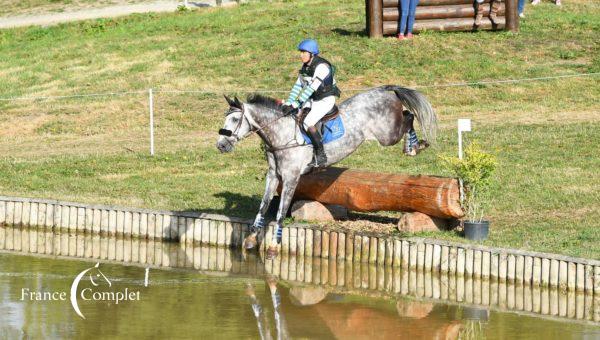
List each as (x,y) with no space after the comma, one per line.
(320,159)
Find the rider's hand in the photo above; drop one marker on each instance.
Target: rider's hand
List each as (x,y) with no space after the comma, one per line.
(288,109)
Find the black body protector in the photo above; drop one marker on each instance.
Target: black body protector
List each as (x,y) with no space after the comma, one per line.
(328,86)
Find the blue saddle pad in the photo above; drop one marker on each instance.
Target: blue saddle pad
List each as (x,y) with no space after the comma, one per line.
(331,130)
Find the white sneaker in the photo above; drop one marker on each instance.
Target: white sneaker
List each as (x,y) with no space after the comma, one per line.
(535,2)
(521,15)
(558,3)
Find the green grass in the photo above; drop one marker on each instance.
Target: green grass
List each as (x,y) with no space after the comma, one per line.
(545,134)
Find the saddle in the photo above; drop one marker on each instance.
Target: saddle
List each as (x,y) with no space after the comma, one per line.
(331,115)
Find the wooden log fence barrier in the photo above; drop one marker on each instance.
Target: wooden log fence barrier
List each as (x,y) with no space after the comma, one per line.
(440,15)
(372,191)
(441,12)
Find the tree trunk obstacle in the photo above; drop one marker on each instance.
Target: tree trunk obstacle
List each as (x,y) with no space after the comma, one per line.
(439,15)
(374,191)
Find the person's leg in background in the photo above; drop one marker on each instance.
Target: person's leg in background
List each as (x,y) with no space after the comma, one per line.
(521,8)
(479,15)
(403,18)
(412,10)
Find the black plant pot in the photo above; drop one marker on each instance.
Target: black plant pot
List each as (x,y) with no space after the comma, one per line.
(476,231)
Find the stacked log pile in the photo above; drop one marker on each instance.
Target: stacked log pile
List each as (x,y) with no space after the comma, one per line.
(383,16)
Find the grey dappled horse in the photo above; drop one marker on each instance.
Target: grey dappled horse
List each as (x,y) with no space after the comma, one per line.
(375,114)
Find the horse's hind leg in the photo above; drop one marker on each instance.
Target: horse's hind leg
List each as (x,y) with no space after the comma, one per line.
(412,144)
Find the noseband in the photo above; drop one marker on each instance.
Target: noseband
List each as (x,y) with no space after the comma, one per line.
(229,133)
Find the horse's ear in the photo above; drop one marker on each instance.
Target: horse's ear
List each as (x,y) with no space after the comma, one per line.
(229,101)
(238,103)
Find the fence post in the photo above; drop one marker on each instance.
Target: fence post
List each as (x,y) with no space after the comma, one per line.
(511,16)
(375,18)
(151,105)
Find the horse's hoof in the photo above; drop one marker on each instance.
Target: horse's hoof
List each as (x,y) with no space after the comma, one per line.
(272,252)
(250,241)
(412,152)
(423,144)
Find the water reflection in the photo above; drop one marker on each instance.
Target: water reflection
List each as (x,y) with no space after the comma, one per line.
(335,295)
(262,319)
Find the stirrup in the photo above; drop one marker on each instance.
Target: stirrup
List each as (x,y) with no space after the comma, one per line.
(316,163)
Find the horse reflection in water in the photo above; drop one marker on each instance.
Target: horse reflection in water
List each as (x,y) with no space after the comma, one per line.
(343,320)
(262,320)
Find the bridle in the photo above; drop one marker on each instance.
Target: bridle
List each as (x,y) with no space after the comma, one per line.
(229,133)
(254,128)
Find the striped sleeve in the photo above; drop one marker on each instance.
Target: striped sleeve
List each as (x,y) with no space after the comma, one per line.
(295,92)
(306,93)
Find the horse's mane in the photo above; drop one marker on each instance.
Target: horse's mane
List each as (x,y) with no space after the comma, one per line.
(267,102)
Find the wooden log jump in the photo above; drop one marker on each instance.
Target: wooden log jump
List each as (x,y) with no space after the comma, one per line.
(460,24)
(440,15)
(396,3)
(439,12)
(373,191)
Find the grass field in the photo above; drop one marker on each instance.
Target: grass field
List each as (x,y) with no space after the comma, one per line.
(546,134)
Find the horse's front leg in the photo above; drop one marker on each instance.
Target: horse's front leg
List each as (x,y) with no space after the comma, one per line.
(272,181)
(287,193)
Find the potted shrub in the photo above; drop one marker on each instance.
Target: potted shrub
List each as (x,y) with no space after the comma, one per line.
(475,172)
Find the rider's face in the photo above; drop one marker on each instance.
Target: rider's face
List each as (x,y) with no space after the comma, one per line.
(305,56)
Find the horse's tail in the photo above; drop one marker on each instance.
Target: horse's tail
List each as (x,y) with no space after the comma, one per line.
(416,103)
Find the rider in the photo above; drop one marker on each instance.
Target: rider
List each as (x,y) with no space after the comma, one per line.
(314,90)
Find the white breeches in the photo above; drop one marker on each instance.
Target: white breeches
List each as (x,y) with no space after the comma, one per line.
(318,109)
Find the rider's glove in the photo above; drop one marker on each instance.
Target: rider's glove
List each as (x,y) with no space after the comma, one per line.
(288,109)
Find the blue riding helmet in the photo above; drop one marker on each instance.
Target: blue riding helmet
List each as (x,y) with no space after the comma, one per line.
(309,45)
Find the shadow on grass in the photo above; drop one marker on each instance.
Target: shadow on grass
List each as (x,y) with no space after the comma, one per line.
(238,205)
(345,32)
(198,4)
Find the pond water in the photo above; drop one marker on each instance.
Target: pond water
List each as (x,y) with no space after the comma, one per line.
(56,285)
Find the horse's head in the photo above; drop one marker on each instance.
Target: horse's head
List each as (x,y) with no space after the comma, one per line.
(236,125)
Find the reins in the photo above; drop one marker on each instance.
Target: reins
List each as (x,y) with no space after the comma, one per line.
(258,129)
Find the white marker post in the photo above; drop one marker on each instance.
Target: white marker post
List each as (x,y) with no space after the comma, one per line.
(146,277)
(464,125)
(151,105)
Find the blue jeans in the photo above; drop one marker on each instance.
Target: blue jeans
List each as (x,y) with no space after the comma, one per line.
(407,11)
(521,6)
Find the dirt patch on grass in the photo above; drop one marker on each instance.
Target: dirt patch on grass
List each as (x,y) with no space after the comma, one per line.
(380,223)
(31,7)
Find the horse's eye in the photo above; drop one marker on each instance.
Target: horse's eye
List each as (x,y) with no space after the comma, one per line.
(235,120)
